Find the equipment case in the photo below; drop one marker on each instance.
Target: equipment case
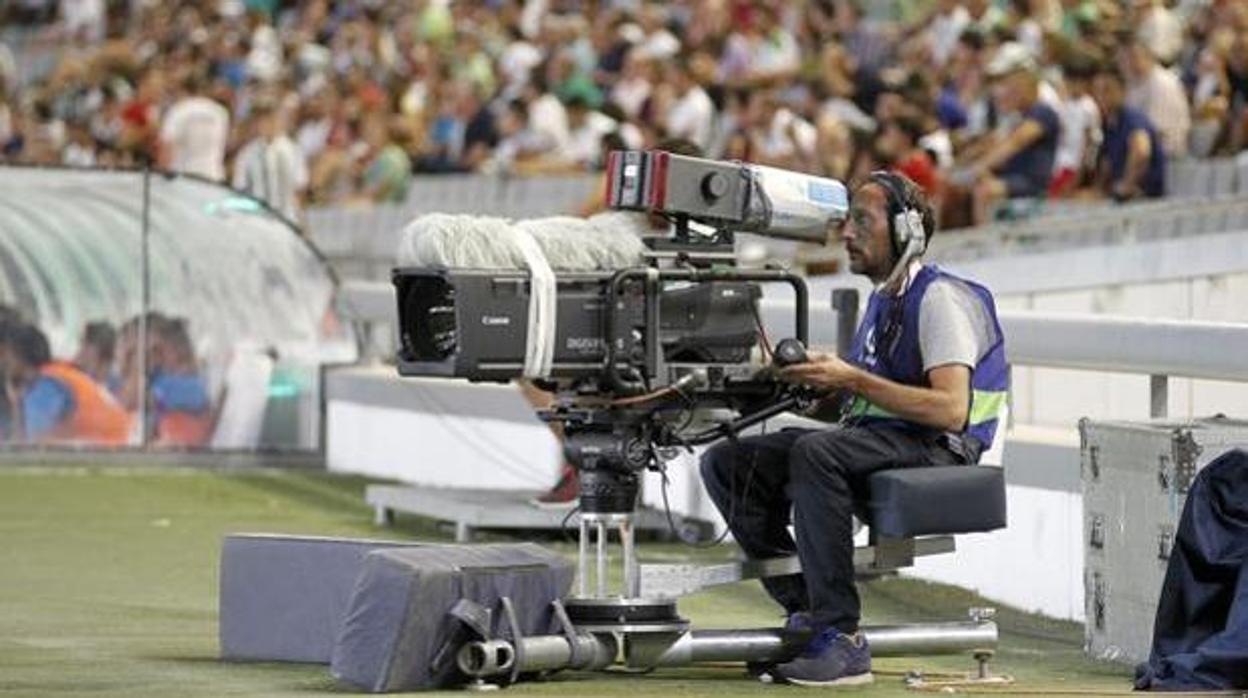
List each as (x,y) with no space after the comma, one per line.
(1136,476)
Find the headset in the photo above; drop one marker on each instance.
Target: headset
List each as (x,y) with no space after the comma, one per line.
(905,224)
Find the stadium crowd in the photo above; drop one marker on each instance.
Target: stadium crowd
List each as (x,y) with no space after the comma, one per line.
(330,101)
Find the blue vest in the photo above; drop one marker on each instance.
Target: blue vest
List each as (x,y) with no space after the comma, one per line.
(887,344)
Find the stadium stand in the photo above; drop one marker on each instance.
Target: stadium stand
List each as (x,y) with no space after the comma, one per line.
(371,93)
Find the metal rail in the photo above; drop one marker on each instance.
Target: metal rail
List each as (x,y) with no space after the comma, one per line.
(1160,349)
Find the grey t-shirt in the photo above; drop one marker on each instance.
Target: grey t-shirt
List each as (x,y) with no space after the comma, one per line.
(954,325)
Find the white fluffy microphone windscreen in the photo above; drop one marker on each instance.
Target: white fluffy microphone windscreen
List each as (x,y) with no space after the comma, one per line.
(603,242)
(577,244)
(460,242)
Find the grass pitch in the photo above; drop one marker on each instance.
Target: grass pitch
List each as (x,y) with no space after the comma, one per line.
(108,586)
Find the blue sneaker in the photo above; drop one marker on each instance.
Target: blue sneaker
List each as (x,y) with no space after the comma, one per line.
(831,659)
(798,627)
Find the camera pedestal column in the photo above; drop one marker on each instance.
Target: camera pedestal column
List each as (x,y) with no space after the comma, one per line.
(601,611)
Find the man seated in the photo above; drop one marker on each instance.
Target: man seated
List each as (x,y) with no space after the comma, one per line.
(1132,160)
(1020,163)
(55,401)
(927,377)
(181,408)
(97,349)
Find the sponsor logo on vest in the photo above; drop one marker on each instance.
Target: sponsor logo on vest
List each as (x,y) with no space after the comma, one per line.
(496,320)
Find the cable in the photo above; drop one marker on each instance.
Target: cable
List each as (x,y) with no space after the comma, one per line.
(762,334)
(637,399)
(563,525)
(732,499)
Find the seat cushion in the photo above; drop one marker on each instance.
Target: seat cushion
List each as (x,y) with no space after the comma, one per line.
(936,500)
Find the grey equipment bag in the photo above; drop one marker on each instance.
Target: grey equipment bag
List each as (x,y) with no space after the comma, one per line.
(400,634)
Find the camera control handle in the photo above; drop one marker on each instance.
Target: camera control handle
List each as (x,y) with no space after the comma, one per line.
(788,352)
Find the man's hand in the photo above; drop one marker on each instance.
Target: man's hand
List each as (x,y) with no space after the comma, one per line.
(822,371)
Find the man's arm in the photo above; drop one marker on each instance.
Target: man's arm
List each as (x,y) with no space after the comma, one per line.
(1024,135)
(1139,152)
(945,405)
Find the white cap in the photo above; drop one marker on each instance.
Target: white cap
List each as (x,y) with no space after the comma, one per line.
(1010,56)
(632,33)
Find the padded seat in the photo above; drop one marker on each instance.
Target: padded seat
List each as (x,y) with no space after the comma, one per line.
(935,500)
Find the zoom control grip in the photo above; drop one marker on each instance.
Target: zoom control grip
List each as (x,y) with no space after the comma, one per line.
(788,352)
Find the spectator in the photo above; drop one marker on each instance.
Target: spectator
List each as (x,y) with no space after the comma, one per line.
(635,83)
(54,401)
(692,114)
(83,20)
(1237,76)
(944,28)
(1158,93)
(519,143)
(867,44)
(546,113)
(1020,163)
(986,16)
(1159,30)
(386,169)
(480,130)
(1034,19)
(774,54)
(586,126)
(1132,161)
(271,167)
(1081,127)
(1211,103)
(194,132)
(10,317)
(97,352)
(778,136)
(898,149)
(181,411)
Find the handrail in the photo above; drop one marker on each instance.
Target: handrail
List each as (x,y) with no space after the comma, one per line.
(1181,348)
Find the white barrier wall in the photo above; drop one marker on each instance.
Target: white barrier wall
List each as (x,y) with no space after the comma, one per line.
(435,432)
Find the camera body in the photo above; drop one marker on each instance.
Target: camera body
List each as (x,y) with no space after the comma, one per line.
(641,359)
(474,324)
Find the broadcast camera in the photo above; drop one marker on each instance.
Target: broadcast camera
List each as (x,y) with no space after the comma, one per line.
(639,356)
(646,356)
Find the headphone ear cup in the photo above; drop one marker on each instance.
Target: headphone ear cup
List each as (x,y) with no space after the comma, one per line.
(914,223)
(901,233)
(909,239)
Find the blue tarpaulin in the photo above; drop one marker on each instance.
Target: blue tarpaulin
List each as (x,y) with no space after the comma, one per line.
(1200,637)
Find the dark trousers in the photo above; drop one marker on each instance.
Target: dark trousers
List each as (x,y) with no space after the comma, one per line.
(816,473)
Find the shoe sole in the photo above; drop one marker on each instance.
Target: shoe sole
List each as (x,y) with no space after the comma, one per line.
(855,680)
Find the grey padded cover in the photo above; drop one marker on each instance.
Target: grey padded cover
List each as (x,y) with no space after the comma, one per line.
(937,500)
(397,621)
(282,598)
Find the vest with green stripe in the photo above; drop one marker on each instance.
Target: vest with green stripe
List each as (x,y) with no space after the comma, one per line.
(887,344)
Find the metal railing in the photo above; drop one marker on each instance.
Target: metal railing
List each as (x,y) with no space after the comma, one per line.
(1161,349)
(1099,226)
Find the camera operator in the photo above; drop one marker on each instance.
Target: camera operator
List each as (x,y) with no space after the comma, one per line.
(926,379)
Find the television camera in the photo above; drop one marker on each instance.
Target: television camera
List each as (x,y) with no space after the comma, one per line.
(642,356)
(646,360)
